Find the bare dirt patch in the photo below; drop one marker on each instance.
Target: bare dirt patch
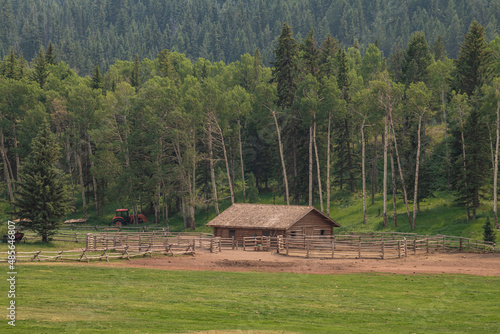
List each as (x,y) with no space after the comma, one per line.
(437,263)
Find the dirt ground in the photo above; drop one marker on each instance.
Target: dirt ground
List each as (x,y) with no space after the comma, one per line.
(437,263)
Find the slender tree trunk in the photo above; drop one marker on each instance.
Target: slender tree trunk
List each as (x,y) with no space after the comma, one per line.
(193,181)
(349,157)
(280,144)
(447,153)
(18,161)
(82,185)
(417,167)
(212,170)
(241,163)
(6,164)
(231,190)
(385,169)
(70,167)
(374,170)
(328,165)
(464,163)
(363,171)
(310,166)
(320,189)
(495,168)
(400,170)
(94,180)
(158,203)
(393,177)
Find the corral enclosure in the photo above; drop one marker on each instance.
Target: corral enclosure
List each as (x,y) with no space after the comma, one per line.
(124,245)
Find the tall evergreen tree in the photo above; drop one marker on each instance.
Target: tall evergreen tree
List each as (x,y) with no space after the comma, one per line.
(135,79)
(10,68)
(309,54)
(285,68)
(40,71)
(50,56)
(42,198)
(488,231)
(96,78)
(416,60)
(474,60)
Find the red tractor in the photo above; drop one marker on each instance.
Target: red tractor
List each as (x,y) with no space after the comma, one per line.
(123,218)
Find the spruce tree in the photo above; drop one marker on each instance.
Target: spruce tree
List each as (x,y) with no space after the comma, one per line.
(10,66)
(309,54)
(343,74)
(416,60)
(473,63)
(40,71)
(165,64)
(488,231)
(285,68)
(50,57)
(96,78)
(328,52)
(136,72)
(42,198)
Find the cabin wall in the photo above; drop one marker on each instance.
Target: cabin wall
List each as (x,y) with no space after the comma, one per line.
(240,233)
(311,224)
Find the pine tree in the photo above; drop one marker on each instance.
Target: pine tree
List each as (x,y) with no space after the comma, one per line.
(309,54)
(488,231)
(40,71)
(285,67)
(416,60)
(328,52)
(473,63)
(439,49)
(97,78)
(50,57)
(42,198)
(343,74)
(165,64)
(10,66)
(136,71)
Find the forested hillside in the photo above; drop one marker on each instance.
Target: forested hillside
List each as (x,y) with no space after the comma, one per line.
(172,136)
(90,32)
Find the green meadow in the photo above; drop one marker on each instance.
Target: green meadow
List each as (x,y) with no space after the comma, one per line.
(99,299)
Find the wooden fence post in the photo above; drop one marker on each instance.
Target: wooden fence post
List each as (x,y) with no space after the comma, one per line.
(232,241)
(333,249)
(406,247)
(383,250)
(211,245)
(359,249)
(460,245)
(308,246)
(286,244)
(427,245)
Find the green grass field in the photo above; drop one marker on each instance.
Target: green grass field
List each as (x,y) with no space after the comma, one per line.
(94,299)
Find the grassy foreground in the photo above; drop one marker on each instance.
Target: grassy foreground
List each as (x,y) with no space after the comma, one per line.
(89,299)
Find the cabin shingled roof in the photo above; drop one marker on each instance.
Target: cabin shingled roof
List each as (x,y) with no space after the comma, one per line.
(264,216)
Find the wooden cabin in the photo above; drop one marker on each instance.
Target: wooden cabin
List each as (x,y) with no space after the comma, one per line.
(252,220)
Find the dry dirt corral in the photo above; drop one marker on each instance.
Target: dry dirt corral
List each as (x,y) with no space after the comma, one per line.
(457,263)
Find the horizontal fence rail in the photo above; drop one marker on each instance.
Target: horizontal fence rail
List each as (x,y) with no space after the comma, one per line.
(127,244)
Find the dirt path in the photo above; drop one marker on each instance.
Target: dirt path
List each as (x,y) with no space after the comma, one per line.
(462,263)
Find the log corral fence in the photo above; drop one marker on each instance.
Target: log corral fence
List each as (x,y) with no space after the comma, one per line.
(124,245)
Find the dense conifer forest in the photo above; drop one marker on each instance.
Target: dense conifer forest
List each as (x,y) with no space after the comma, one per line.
(87,32)
(180,108)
